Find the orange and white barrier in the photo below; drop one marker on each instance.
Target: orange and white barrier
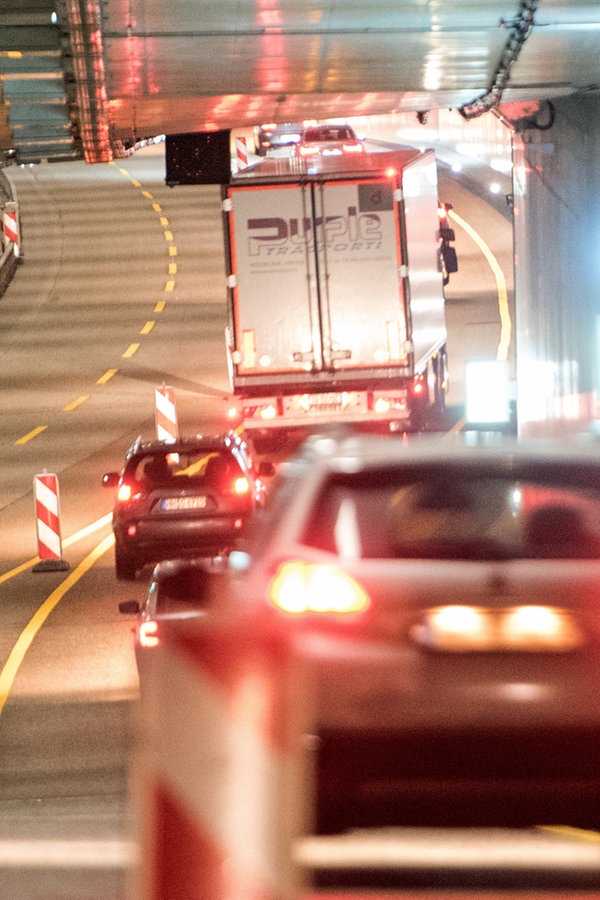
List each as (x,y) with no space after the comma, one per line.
(47,514)
(220,765)
(241,152)
(10,227)
(167,427)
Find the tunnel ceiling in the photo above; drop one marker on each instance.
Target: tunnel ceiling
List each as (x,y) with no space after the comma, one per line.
(87,78)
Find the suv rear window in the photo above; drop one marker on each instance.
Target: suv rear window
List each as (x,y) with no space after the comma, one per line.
(183,469)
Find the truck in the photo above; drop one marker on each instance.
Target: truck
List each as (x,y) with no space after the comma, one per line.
(335,272)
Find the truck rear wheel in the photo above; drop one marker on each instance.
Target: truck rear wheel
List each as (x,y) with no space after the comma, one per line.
(440,371)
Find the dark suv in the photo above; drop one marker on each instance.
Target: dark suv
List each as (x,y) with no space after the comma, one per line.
(184,497)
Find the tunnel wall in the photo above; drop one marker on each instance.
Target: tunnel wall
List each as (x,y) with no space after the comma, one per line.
(556,188)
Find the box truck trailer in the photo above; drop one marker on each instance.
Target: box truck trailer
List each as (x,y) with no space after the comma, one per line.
(335,281)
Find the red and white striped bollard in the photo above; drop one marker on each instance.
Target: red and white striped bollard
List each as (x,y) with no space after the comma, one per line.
(241,152)
(220,782)
(167,427)
(47,514)
(10,227)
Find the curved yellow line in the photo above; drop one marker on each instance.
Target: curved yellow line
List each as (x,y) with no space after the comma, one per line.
(89,529)
(505,320)
(17,654)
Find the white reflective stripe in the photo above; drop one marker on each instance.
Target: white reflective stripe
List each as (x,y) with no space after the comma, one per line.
(49,538)
(165,404)
(101,854)
(47,497)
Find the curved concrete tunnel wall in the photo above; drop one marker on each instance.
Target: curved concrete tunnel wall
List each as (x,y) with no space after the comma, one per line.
(556,180)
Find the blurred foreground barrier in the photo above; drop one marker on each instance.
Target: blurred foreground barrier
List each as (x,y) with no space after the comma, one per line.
(219,775)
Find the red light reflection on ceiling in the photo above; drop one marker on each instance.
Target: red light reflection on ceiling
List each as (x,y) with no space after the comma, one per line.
(272,67)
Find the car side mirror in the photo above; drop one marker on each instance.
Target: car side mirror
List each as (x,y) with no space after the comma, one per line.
(110,479)
(129,607)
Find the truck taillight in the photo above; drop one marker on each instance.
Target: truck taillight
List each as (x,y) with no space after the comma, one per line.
(300,587)
(389,402)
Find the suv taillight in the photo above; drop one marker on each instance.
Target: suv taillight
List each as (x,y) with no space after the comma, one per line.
(124,493)
(300,587)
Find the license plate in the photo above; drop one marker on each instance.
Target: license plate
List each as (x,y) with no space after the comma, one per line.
(169,504)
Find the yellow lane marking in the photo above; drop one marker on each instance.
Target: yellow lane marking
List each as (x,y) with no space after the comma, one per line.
(17,654)
(76,403)
(505,320)
(170,285)
(147,194)
(172,268)
(578,834)
(79,535)
(164,221)
(148,327)
(133,348)
(107,376)
(136,183)
(168,235)
(159,306)
(156,207)
(31,434)
(172,251)
(124,172)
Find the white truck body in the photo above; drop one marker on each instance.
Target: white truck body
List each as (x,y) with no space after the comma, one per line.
(336,302)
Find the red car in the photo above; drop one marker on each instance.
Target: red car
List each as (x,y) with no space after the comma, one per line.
(328,140)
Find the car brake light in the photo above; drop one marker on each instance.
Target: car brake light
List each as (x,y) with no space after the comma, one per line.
(124,493)
(148,634)
(353,148)
(300,587)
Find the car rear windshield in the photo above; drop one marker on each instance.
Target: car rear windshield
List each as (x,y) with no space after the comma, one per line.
(179,470)
(456,514)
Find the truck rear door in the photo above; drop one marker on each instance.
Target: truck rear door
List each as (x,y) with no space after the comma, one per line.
(358,259)
(275,298)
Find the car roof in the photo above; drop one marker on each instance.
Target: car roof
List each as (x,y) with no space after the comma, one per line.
(352,452)
(201,442)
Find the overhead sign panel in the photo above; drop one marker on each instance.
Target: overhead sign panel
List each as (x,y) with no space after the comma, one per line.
(201,157)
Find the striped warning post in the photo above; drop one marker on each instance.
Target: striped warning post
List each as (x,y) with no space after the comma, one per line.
(241,152)
(220,767)
(47,514)
(165,413)
(10,227)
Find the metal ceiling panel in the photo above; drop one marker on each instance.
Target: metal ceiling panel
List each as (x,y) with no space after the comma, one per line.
(36,123)
(135,68)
